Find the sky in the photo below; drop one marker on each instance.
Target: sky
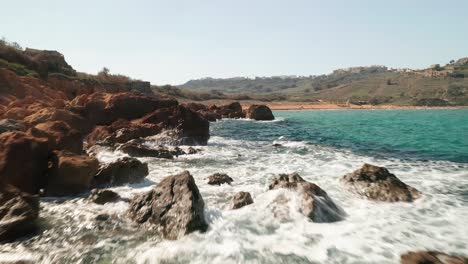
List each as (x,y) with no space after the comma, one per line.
(173,41)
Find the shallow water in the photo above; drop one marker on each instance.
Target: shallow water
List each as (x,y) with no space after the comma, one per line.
(422,147)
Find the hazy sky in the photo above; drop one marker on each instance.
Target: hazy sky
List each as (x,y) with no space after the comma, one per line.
(173,41)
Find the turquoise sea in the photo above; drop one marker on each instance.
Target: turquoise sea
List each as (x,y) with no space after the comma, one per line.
(427,149)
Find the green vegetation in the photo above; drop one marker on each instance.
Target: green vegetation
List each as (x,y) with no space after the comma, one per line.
(19,69)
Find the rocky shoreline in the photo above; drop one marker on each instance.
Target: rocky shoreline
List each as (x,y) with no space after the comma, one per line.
(51,130)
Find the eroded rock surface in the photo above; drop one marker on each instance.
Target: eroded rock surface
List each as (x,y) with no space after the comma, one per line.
(219,178)
(103,196)
(241,199)
(377,183)
(122,171)
(174,207)
(315,203)
(259,112)
(431,257)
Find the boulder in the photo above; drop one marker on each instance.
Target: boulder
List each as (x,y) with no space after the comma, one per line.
(232,110)
(73,120)
(18,213)
(174,207)
(194,129)
(136,148)
(23,161)
(123,171)
(241,199)
(11,125)
(315,203)
(121,131)
(219,178)
(70,174)
(377,183)
(106,108)
(103,196)
(259,112)
(431,257)
(203,110)
(60,135)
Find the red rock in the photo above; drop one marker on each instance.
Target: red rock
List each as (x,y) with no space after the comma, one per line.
(259,112)
(70,174)
(23,161)
(73,120)
(194,128)
(121,131)
(60,136)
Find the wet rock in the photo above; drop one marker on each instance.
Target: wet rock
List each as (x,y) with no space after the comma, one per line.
(70,174)
(23,161)
(121,131)
(175,207)
(136,148)
(60,135)
(191,151)
(219,178)
(377,183)
(18,213)
(193,128)
(241,199)
(11,125)
(315,203)
(259,112)
(276,145)
(232,110)
(102,217)
(123,171)
(431,257)
(103,196)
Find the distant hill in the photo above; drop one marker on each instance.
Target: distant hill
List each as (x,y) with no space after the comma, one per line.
(437,85)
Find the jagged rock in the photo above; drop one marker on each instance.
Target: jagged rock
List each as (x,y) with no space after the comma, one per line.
(121,131)
(377,183)
(315,202)
(219,178)
(175,207)
(102,217)
(193,128)
(259,112)
(74,120)
(60,135)
(431,257)
(70,174)
(123,171)
(232,110)
(135,148)
(106,108)
(11,125)
(103,196)
(23,161)
(191,151)
(241,199)
(203,110)
(18,212)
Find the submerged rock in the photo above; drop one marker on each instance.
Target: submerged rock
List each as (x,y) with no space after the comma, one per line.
(103,196)
(315,203)
(18,213)
(377,183)
(219,178)
(259,112)
(70,174)
(241,199)
(175,207)
(431,257)
(123,171)
(136,148)
(23,161)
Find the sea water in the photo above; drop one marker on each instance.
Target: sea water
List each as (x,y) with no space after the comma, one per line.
(427,149)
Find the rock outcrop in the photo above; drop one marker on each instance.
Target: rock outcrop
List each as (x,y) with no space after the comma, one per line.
(241,199)
(103,196)
(431,257)
(121,131)
(70,174)
(60,135)
(23,161)
(259,112)
(174,207)
(315,203)
(136,148)
(123,171)
(232,110)
(11,125)
(377,183)
(18,213)
(219,178)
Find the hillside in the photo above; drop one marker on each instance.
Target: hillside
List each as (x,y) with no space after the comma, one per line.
(437,86)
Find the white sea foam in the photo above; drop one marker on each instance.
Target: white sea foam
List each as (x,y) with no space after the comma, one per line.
(265,232)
